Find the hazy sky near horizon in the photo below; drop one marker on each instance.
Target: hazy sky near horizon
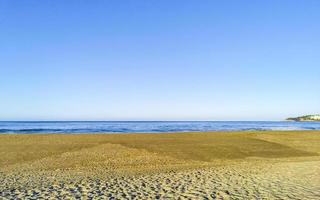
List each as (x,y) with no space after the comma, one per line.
(159,60)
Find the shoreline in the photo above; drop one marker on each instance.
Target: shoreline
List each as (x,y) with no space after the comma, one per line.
(155,133)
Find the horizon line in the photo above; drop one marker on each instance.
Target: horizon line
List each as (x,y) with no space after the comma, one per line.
(141,120)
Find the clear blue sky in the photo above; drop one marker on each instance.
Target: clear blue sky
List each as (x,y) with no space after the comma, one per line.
(159,60)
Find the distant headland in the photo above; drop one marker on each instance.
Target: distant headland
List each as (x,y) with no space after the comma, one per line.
(308,118)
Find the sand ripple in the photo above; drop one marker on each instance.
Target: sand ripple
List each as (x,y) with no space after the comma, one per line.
(285,180)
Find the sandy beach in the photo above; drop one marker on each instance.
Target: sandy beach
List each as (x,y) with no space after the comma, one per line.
(218,165)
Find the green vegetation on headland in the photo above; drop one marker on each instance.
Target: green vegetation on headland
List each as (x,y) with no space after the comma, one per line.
(305,118)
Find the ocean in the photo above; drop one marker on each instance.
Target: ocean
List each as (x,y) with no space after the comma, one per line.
(79,127)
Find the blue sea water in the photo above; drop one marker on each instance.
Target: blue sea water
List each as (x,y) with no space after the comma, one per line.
(78,127)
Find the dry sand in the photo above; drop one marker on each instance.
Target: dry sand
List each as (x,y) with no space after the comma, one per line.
(239,165)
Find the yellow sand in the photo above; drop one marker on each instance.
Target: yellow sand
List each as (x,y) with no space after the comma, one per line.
(224,165)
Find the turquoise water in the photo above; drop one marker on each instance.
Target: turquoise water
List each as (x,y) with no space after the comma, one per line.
(78,127)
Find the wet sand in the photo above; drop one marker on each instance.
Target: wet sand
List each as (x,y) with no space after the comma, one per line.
(237,165)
